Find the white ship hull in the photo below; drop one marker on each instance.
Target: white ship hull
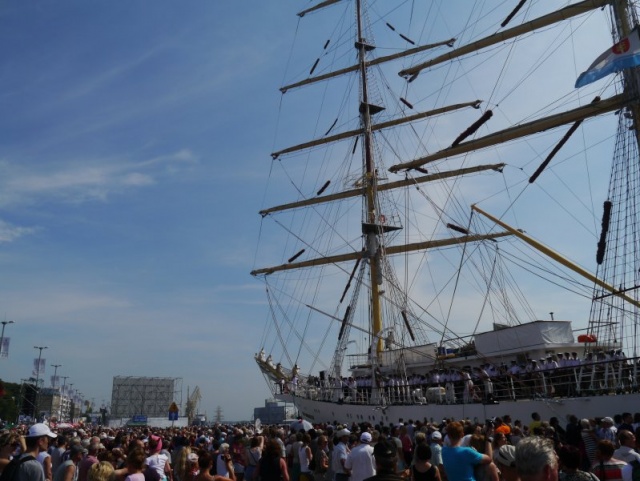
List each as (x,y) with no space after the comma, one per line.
(582,407)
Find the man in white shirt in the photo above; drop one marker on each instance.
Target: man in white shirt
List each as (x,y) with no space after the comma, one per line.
(37,441)
(626,451)
(339,456)
(608,431)
(436,452)
(360,460)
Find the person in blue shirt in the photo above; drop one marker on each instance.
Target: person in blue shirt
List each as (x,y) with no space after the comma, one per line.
(459,461)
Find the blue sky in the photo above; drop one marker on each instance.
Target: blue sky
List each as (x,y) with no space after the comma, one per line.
(134,144)
(131,156)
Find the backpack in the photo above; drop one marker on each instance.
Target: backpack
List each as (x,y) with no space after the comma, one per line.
(10,471)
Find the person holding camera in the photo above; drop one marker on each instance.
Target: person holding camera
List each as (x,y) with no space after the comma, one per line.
(224,464)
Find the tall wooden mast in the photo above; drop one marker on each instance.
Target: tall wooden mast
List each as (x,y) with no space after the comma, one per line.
(371,215)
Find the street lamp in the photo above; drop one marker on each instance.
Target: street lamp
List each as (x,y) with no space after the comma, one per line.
(4,324)
(38,377)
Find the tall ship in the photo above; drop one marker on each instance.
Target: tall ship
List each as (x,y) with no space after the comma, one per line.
(450,224)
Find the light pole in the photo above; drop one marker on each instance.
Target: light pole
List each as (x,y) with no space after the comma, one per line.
(63,395)
(55,373)
(38,376)
(4,324)
(71,403)
(54,381)
(38,366)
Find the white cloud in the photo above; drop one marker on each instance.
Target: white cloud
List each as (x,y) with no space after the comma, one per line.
(137,179)
(87,180)
(10,233)
(62,302)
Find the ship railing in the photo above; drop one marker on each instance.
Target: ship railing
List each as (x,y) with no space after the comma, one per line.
(592,377)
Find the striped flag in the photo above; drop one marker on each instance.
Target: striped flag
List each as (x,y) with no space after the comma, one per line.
(624,54)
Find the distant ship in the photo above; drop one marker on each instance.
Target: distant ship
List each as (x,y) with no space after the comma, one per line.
(391,230)
(199,420)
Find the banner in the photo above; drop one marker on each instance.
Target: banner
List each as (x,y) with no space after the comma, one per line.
(54,381)
(37,372)
(4,348)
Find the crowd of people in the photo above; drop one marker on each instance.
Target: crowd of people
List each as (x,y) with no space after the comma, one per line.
(500,449)
(556,375)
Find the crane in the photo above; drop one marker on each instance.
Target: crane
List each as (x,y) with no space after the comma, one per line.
(192,404)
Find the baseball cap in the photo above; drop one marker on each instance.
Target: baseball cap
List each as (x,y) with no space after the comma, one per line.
(507,455)
(436,435)
(343,432)
(365,437)
(39,430)
(76,448)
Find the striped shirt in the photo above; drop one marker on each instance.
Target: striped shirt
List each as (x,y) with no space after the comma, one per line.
(610,470)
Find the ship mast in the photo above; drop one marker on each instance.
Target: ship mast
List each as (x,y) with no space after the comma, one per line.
(610,319)
(630,76)
(372,234)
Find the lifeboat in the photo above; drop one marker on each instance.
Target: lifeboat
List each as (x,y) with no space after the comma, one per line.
(587,338)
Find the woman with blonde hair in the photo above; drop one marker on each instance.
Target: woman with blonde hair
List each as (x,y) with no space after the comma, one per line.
(9,444)
(100,471)
(181,465)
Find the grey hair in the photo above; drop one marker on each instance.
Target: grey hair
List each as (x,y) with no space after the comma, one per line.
(533,454)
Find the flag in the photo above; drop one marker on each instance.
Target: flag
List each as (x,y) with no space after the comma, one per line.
(4,348)
(624,54)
